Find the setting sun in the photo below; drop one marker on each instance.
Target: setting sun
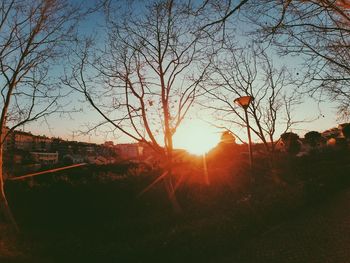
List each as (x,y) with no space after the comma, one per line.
(196,136)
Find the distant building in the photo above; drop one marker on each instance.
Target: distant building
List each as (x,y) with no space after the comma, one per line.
(129,150)
(23,140)
(73,159)
(42,143)
(90,149)
(45,157)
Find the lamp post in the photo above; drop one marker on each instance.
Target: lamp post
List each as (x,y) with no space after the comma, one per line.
(244,103)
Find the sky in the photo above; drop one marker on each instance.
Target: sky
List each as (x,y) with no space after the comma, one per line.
(69,126)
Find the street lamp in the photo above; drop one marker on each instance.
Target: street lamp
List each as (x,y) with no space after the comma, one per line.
(244,103)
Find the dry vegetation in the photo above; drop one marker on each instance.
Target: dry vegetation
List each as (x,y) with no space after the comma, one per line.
(97,214)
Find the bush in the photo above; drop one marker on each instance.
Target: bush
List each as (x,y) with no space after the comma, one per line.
(291,142)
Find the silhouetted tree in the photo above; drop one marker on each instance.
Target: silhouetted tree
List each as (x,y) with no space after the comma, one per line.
(291,142)
(317,31)
(145,81)
(313,138)
(33,37)
(346,131)
(250,72)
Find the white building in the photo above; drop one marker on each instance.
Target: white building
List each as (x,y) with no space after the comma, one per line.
(129,150)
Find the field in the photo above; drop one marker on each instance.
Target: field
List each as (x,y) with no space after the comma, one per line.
(96,214)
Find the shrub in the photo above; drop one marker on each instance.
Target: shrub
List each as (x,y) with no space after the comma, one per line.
(291,142)
(346,130)
(313,138)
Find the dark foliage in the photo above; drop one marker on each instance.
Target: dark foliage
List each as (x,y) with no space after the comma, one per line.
(291,142)
(95,214)
(313,138)
(346,130)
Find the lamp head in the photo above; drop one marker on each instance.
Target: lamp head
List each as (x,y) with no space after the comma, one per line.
(244,101)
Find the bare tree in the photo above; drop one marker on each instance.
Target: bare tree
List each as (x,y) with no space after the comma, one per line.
(227,10)
(33,36)
(319,32)
(145,81)
(251,72)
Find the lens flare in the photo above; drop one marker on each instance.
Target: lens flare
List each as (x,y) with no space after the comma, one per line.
(196,137)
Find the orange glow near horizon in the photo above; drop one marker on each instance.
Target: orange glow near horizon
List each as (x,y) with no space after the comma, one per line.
(196,137)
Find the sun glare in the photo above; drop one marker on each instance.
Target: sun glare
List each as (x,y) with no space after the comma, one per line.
(196,136)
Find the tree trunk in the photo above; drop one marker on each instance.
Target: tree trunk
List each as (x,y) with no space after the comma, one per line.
(4,207)
(169,186)
(168,180)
